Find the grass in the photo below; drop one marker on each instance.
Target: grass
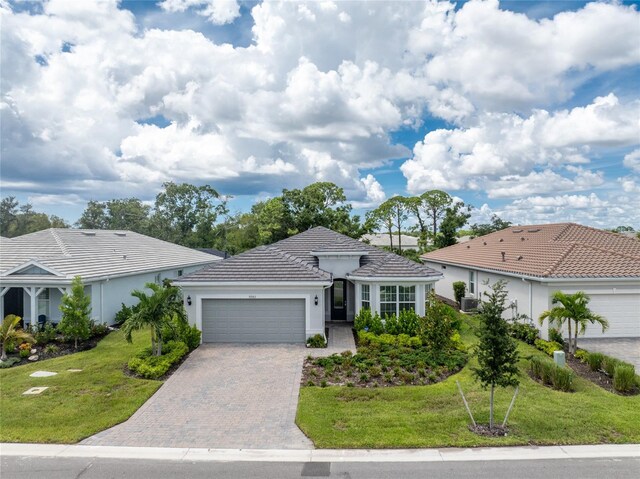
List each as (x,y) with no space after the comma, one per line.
(76,405)
(434,416)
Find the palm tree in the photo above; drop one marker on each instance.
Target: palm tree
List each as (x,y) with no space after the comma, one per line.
(572,308)
(154,310)
(10,331)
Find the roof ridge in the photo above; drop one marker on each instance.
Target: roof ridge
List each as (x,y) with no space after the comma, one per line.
(561,258)
(562,231)
(60,243)
(295,259)
(605,250)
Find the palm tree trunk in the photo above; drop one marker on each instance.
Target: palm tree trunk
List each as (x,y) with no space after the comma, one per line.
(575,342)
(569,326)
(3,355)
(153,340)
(75,343)
(491,408)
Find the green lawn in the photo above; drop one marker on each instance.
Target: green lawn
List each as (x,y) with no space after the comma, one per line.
(76,405)
(434,416)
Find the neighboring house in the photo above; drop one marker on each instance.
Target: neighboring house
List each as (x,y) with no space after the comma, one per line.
(382,240)
(37,268)
(286,291)
(215,252)
(538,260)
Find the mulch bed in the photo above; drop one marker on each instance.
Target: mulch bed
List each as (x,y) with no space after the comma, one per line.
(483,430)
(596,377)
(448,301)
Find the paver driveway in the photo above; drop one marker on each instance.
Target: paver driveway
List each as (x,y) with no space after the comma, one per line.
(223,396)
(626,349)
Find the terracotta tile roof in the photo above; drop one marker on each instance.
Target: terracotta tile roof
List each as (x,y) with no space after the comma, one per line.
(562,250)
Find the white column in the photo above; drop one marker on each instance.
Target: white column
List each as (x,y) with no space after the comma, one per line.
(2,293)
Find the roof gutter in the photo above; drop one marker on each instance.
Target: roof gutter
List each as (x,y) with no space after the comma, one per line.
(541,279)
(400,279)
(198,284)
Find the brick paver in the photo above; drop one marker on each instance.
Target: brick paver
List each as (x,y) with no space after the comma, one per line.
(223,396)
(625,349)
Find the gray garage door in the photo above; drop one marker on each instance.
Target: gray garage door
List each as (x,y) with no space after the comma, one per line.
(253,321)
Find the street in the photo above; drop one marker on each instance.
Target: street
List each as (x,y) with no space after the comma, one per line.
(17,467)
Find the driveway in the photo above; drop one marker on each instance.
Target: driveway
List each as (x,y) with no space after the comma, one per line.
(625,349)
(223,396)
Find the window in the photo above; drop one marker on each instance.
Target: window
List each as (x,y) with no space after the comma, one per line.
(179,272)
(365,297)
(394,299)
(43,303)
(388,300)
(427,291)
(338,294)
(407,298)
(472,282)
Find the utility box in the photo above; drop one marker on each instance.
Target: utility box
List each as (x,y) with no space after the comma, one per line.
(469,305)
(558,358)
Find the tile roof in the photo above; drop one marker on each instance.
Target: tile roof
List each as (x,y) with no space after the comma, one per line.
(96,253)
(562,250)
(291,260)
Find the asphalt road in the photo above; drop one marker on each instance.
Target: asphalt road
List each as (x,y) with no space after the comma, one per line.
(92,468)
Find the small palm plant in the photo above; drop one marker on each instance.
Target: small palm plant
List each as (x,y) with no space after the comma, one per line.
(572,308)
(154,310)
(11,332)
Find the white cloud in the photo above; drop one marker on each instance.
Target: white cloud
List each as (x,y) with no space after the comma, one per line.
(217,12)
(632,160)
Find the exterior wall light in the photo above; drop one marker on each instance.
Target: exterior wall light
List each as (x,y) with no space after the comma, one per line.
(316,300)
(189,300)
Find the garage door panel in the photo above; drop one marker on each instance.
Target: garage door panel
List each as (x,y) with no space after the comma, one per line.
(253,320)
(621,310)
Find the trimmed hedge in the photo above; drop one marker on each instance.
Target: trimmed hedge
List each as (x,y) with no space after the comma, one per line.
(148,366)
(624,378)
(317,341)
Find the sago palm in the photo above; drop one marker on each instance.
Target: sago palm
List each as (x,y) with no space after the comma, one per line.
(11,332)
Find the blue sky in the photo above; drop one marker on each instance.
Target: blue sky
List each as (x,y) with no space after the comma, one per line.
(529,110)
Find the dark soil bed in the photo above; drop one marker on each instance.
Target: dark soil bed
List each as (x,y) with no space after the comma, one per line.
(598,378)
(483,430)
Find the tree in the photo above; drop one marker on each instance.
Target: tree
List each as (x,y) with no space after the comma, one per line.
(572,308)
(382,217)
(435,203)
(8,213)
(496,224)
(154,310)
(185,214)
(414,206)
(11,332)
(623,229)
(497,351)
(94,216)
(17,220)
(392,213)
(455,217)
(76,311)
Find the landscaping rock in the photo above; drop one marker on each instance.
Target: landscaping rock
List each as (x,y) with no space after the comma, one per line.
(33,357)
(74,370)
(34,351)
(42,374)
(33,391)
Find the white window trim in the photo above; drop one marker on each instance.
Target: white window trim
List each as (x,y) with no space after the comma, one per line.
(473,274)
(415,295)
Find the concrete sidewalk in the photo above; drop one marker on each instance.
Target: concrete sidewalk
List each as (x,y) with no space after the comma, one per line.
(324,455)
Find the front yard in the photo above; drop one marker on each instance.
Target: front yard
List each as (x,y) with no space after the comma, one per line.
(434,415)
(77,404)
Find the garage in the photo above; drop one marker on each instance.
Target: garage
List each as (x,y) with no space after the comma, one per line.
(253,320)
(621,310)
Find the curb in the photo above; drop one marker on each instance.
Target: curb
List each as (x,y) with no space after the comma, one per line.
(324,455)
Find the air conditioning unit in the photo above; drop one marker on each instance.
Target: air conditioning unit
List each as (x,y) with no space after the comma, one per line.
(469,304)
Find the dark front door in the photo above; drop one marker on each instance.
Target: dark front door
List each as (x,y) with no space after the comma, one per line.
(13,302)
(339,300)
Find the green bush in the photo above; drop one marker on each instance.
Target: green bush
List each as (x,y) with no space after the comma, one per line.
(594,360)
(609,365)
(437,327)
(149,366)
(9,362)
(317,341)
(365,320)
(99,329)
(551,374)
(178,329)
(45,335)
(124,313)
(582,355)
(624,377)
(459,290)
(51,349)
(524,332)
(24,353)
(547,347)
(555,335)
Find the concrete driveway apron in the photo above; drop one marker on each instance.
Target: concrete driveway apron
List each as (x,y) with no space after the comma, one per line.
(223,396)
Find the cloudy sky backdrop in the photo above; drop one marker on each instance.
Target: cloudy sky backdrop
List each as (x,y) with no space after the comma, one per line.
(527,109)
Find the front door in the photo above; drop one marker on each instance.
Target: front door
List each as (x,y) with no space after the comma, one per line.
(339,300)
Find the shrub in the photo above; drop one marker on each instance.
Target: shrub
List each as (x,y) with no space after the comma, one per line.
(124,314)
(149,366)
(459,290)
(178,329)
(375,371)
(51,349)
(551,374)
(98,329)
(437,327)
(555,335)
(76,308)
(624,377)
(46,334)
(367,321)
(317,341)
(594,360)
(524,332)
(547,347)
(582,355)
(25,353)
(609,365)
(7,363)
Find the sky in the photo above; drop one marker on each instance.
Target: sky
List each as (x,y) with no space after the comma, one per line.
(529,110)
